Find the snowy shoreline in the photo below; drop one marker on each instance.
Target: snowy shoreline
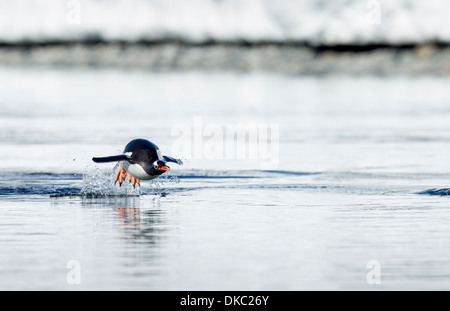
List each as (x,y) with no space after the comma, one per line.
(289,58)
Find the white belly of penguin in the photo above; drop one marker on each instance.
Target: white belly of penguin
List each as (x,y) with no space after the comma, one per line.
(136,171)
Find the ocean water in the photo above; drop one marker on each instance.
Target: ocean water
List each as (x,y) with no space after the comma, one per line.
(312,21)
(355,189)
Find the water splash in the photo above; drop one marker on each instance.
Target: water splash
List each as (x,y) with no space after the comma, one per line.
(159,186)
(98,183)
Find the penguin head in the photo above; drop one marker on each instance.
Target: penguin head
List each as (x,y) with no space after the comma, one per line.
(159,167)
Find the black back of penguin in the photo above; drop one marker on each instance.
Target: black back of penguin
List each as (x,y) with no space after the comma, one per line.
(143,152)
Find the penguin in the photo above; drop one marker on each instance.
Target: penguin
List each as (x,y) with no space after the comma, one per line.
(141,160)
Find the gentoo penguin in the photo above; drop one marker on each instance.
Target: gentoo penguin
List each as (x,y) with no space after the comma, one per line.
(141,159)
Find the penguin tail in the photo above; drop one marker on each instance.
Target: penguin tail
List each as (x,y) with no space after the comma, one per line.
(115,158)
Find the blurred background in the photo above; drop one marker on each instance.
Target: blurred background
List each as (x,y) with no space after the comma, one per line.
(82,74)
(287,36)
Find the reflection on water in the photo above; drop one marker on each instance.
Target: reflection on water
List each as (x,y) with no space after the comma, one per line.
(130,216)
(135,224)
(142,226)
(356,159)
(250,237)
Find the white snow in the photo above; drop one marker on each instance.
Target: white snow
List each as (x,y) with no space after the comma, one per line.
(314,21)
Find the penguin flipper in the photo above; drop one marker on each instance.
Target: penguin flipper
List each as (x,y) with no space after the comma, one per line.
(170,159)
(115,158)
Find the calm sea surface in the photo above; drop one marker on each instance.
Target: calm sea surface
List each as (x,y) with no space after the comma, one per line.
(353,194)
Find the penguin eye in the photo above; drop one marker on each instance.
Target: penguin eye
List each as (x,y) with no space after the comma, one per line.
(156,167)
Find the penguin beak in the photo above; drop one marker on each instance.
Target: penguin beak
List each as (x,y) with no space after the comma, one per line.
(164,168)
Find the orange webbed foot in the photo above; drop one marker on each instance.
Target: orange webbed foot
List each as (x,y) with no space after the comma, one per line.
(121,174)
(135,181)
